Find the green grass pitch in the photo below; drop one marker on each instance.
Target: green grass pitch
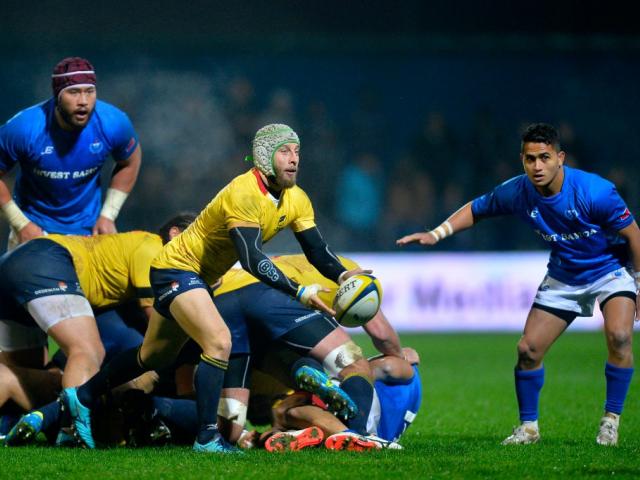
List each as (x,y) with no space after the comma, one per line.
(468,408)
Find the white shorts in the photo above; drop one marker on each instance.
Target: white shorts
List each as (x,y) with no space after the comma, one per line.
(580,299)
(15,336)
(50,310)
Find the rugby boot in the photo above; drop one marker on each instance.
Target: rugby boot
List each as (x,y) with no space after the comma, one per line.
(318,383)
(294,440)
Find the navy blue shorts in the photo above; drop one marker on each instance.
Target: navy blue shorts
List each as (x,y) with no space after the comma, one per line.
(265,313)
(38,268)
(168,283)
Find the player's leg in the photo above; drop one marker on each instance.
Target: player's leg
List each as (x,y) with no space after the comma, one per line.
(78,338)
(541,329)
(196,314)
(341,357)
(619,312)
(234,399)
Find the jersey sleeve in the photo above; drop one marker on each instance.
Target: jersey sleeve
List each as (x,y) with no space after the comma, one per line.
(305,217)
(500,201)
(609,209)
(123,138)
(149,248)
(12,141)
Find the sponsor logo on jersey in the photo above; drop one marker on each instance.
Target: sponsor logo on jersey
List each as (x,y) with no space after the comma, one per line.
(571,214)
(48,150)
(534,213)
(95,147)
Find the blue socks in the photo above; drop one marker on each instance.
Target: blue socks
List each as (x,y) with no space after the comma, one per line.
(208,383)
(528,386)
(618,381)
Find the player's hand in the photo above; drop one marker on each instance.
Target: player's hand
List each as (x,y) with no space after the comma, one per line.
(308,295)
(29,231)
(104,225)
(423,238)
(410,355)
(350,273)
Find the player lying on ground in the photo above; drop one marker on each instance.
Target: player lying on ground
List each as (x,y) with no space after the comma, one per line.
(250,210)
(592,237)
(297,415)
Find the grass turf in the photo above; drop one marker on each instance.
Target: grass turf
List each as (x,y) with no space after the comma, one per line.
(468,408)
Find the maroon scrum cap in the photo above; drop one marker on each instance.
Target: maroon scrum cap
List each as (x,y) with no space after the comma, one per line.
(72,71)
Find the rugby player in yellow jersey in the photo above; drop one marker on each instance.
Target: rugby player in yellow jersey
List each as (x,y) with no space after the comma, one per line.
(51,284)
(250,210)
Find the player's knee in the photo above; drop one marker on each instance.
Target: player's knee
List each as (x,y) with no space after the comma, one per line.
(619,341)
(343,357)
(8,378)
(359,367)
(528,354)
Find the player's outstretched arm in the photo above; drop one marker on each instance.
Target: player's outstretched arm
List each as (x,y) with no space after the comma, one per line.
(383,336)
(248,243)
(460,220)
(632,234)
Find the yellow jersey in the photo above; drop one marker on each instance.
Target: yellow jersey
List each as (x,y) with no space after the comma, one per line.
(206,248)
(296,267)
(114,268)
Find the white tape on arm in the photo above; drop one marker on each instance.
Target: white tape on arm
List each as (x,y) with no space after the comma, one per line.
(16,218)
(113,203)
(442,231)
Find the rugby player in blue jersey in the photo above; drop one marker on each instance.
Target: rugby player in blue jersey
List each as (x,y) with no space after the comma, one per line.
(61,145)
(593,239)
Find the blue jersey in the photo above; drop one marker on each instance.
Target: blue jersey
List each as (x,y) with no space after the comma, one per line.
(580,223)
(58,186)
(399,405)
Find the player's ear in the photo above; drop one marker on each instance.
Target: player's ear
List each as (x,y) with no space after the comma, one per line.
(561,157)
(174,232)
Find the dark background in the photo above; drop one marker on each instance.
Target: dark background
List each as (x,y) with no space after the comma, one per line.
(405,109)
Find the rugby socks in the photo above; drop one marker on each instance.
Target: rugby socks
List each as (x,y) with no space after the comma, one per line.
(208,382)
(618,381)
(51,414)
(360,389)
(528,386)
(306,362)
(124,367)
(181,413)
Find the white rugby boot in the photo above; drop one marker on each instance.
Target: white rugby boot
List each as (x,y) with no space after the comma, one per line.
(523,434)
(608,433)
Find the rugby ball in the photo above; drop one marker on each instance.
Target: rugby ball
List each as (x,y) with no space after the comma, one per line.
(357,300)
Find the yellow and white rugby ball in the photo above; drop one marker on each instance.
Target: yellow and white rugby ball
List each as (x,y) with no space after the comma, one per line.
(357,300)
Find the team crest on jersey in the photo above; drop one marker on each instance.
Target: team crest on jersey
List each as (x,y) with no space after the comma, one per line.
(571,214)
(95,147)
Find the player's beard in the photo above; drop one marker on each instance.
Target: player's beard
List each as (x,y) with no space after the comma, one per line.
(69,120)
(284,181)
